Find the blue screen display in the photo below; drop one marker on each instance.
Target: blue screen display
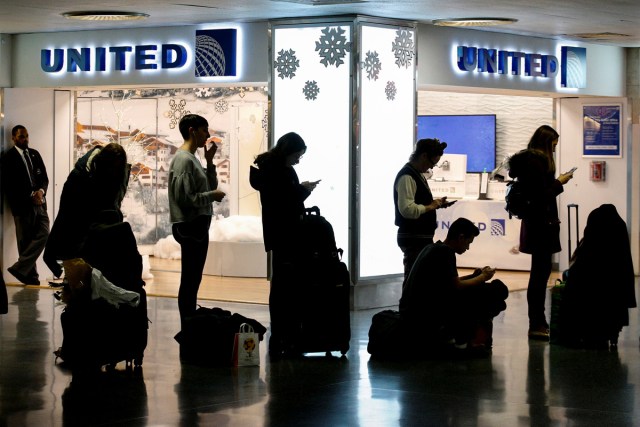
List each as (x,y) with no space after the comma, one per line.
(473,135)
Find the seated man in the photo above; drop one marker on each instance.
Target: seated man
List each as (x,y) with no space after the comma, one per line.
(444,307)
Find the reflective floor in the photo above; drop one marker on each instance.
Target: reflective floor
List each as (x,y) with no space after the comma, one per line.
(522,384)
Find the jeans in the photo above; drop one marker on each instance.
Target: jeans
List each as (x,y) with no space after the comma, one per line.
(193,237)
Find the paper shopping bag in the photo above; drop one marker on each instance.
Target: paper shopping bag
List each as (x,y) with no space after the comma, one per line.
(246,347)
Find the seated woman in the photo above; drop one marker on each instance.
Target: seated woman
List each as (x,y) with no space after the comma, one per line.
(600,283)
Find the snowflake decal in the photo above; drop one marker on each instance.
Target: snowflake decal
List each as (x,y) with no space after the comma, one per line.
(310,90)
(402,48)
(391,91)
(222,106)
(287,63)
(203,92)
(333,46)
(372,65)
(265,120)
(177,112)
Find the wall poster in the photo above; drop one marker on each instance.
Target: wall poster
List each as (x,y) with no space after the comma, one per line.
(601,131)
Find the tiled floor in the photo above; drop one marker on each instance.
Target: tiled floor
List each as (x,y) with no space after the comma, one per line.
(522,384)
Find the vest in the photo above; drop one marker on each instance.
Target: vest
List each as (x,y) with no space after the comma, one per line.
(425,225)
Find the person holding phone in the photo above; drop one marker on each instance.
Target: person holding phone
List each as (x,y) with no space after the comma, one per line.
(540,231)
(192,191)
(415,207)
(449,309)
(282,197)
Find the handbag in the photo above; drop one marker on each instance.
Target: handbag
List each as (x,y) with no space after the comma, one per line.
(246,347)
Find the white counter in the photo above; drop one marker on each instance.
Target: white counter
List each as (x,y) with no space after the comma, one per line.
(497,244)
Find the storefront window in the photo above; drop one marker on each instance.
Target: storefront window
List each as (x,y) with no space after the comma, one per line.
(145,123)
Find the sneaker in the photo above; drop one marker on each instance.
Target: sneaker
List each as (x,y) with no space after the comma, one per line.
(540,333)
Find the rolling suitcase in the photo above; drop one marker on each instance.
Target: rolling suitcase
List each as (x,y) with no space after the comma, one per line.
(324,306)
(555,329)
(96,333)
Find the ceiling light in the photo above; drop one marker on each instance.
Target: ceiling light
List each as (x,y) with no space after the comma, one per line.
(110,15)
(473,22)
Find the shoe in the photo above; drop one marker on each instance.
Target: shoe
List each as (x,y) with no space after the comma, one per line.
(540,333)
(22,278)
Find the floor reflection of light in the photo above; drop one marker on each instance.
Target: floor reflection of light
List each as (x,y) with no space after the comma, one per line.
(377,404)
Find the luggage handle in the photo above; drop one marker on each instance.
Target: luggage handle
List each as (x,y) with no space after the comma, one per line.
(312,210)
(569,206)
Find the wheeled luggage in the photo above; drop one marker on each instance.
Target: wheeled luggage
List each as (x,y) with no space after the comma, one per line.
(324,282)
(97,333)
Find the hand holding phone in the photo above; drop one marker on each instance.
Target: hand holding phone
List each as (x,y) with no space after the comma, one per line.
(447,204)
(572,170)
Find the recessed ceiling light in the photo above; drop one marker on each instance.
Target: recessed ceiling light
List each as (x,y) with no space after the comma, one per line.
(111,15)
(473,22)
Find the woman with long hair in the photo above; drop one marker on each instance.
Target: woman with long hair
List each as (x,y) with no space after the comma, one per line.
(282,196)
(540,230)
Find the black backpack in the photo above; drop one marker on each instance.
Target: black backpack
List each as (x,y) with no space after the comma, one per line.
(518,200)
(317,241)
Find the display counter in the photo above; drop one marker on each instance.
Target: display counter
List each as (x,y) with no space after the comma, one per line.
(497,244)
(236,259)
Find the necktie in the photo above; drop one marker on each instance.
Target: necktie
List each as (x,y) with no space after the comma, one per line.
(27,158)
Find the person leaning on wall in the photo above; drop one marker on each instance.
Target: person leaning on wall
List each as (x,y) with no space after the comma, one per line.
(25,183)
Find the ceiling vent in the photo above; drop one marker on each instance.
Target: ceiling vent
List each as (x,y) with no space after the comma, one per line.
(322,2)
(473,22)
(599,36)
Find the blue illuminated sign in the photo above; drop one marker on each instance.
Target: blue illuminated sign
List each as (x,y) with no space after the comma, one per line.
(515,63)
(146,57)
(572,66)
(214,55)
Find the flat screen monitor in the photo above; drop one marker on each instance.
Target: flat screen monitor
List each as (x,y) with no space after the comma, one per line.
(473,135)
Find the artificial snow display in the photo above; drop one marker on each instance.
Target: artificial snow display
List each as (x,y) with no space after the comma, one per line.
(236,228)
(145,123)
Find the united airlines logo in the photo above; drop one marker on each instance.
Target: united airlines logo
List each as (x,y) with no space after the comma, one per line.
(572,66)
(498,227)
(215,53)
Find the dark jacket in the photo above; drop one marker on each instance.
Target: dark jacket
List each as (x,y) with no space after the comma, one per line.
(600,285)
(83,199)
(540,231)
(282,198)
(16,183)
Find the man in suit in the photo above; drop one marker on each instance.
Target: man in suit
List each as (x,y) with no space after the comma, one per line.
(25,183)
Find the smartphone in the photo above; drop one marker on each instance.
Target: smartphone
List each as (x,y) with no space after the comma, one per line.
(447,204)
(573,169)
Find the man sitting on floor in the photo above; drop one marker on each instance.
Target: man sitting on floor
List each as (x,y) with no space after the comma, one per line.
(448,309)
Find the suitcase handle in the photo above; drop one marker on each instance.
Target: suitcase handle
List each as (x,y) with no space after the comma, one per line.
(312,210)
(575,206)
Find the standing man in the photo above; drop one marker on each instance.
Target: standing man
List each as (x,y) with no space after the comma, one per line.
(192,190)
(415,207)
(25,183)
